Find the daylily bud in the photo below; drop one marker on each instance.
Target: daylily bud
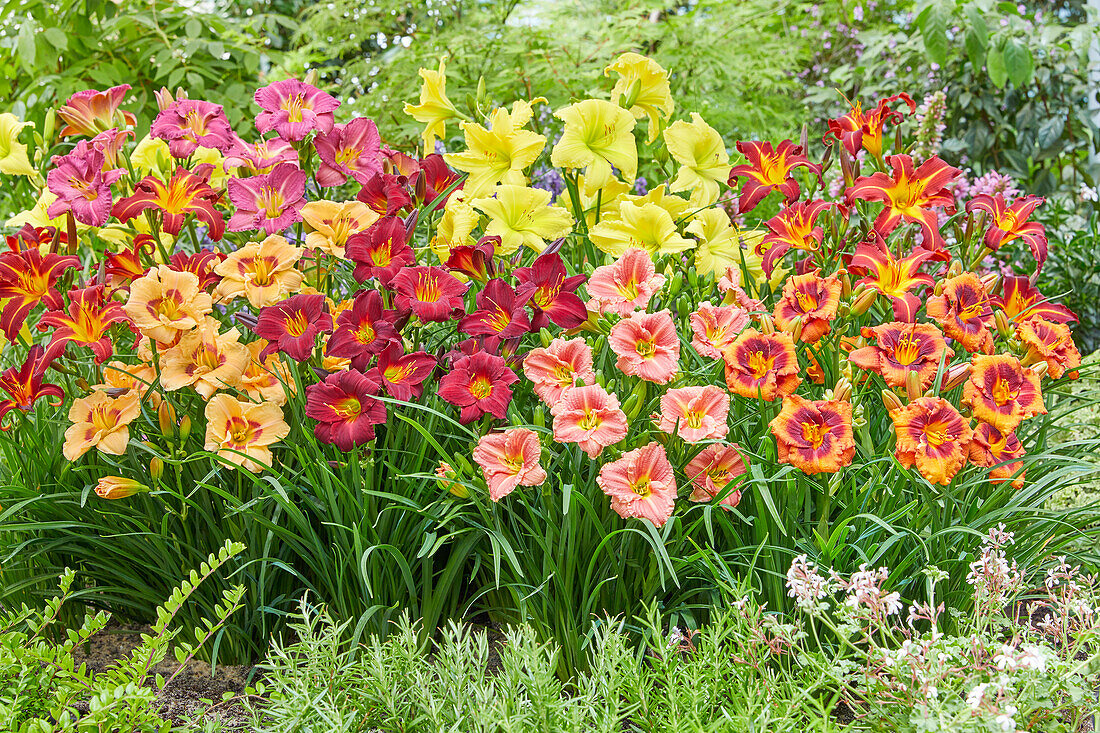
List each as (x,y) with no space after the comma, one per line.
(843,390)
(166,418)
(683,308)
(938,288)
(847,370)
(955,376)
(600,378)
(677,284)
(1003,326)
(804,137)
(990,281)
(843,311)
(846,167)
(410,222)
(117,487)
(156,468)
(767,325)
(630,96)
(796,329)
(693,279)
(448,479)
(545,337)
(471,103)
(845,283)
(1041,368)
(185,427)
(892,402)
(82,385)
(311,77)
(482,94)
(636,401)
(899,146)
(661,155)
(864,302)
(164,98)
(827,159)
(49,125)
(912,385)
(955,269)
(538,416)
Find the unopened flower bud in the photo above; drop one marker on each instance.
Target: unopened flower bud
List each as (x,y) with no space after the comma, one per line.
(845,283)
(955,376)
(420,190)
(49,125)
(912,385)
(892,402)
(1003,326)
(117,487)
(185,427)
(767,325)
(156,468)
(843,390)
(796,329)
(990,281)
(630,96)
(166,418)
(1041,368)
(448,479)
(311,77)
(938,288)
(164,98)
(955,269)
(864,302)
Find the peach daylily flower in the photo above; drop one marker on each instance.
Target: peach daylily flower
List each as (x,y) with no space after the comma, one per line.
(625,286)
(641,484)
(647,346)
(712,471)
(205,359)
(814,436)
(559,367)
(165,302)
(333,222)
(263,272)
(241,432)
(715,328)
(590,417)
(100,421)
(508,460)
(267,379)
(695,413)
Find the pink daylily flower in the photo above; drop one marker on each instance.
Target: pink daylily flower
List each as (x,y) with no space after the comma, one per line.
(293,109)
(647,346)
(623,287)
(641,484)
(354,149)
(559,367)
(190,124)
(260,156)
(81,185)
(590,417)
(508,460)
(695,413)
(270,201)
(91,112)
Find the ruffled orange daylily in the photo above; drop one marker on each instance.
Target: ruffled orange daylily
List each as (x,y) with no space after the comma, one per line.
(859,129)
(333,222)
(993,449)
(762,365)
(794,227)
(165,302)
(241,433)
(933,435)
(965,312)
(909,195)
(263,272)
(136,378)
(100,421)
(205,360)
(900,349)
(815,437)
(186,193)
(812,301)
(1051,343)
(1002,392)
(886,273)
(769,169)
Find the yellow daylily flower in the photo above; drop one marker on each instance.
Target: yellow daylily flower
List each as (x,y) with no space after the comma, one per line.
(523,111)
(644,225)
(497,155)
(676,206)
(704,162)
(723,245)
(607,197)
(333,222)
(521,215)
(643,89)
(434,109)
(597,135)
(455,226)
(13,154)
(36,216)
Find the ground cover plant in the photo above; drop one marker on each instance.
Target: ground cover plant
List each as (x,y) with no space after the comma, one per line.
(414,382)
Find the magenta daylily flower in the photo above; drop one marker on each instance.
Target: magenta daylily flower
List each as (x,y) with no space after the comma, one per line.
(293,109)
(270,201)
(354,149)
(190,124)
(81,185)
(91,112)
(259,157)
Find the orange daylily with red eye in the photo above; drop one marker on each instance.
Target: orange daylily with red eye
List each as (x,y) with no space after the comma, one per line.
(1022,301)
(909,195)
(1009,222)
(1049,342)
(762,365)
(769,169)
(185,193)
(815,437)
(812,300)
(794,227)
(965,312)
(903,348)
(86,322)
(933,435)
(27,278)
(886,273)
(122,268)
(24,385)
(859,129)
(993,449)
(1002,392)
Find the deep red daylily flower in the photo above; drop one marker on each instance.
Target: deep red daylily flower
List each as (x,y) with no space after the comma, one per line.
(431,293)
(24,386)
(354,149)
(345,408)
(34,237)
(794,227)
(363,330)
(403,374)
(91,112)
(201,264)
(478,384)
(437,177)
(1008,222)
(27,278)
(554,297)
(380,251)
(474,260)
(769,168)
(386,193)
(859,129)
(292,325)
(186,193)
(85,322)
(1022,301)
(886,273)
(500,311)
(909,195)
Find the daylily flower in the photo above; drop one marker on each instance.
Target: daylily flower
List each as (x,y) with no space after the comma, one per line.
(1051,343)
(86,322)
(815,437)
(1008,222)
(641,484)
(260,156)
(241,433)
(889,275)
(386,194)
(695,413)
(362,330)
(903,348)
(859,129)
(909,195)
(434,109)
(27,278)
(345,408)
(554,297)
(704,162)
(201,264)
(1002,392)
(437,177)
(1022,301)
(478,384)
(205,360)
(762,365)
(403,374)
(721,245)
(81,185)
(508,460)
(13,154)
(521,215)
(381,251)
(500,311)
(165,301)
(645,225)
(24,384)
(597,136)
(354,149)
(293,109)
(334,222)
(431,293)
(713,470)
(933,435)
(559,367)
(625,286)
(647,346)
(263,272)
(794,227)
(110,144)
(812,300)
(964,312)
(91,112)
(188,124)
(495,155)
(269,201)
(715,328)
(590,417)
(136,378)
(185,193)
(100,421)
(292,325)
(993,449)
(475,261)
(769,169)
(642,89)
(456,226)
(264,378)
(117,487)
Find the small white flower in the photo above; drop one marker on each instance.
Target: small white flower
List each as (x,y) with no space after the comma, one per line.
(974,697)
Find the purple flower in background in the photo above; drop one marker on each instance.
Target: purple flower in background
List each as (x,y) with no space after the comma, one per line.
(989,184)
(641,187)
(190,124)
(548,179)
(293,109)
(81,185)
(270,201)
(354,149)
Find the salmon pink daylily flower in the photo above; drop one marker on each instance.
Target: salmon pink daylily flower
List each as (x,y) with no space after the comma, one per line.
(1022,301)
(762,365)
(100,421)
(333,223)
(713,470)
(345,408)
(292,325)
(815,437)
(354,150)
(886,273)
(403,374)
(24,385)
(1009,222)
(903,348)
(263,272)
(909,195)
(478,384)
(110,144)
(190,124)
(269,201)
(859,129)
(965,312)
(590,417)
(933,435)
(265,378)
(794,227)
(1000,452)
(1051,343)
(165,302)
(508,460)
(647,346)
(431,293)
(363,330)
(623,287)
(769,169)
(695,413)
(260,156)
(500,311)
(186,193)
(86,322)
(812,301)
(205,360)
(1002,392)
(27,278)
(641,484)
(91,112)
(293,109)
(380,251)
(559,367)
(81,185)
(554,298)
(241,433)
(715,328)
